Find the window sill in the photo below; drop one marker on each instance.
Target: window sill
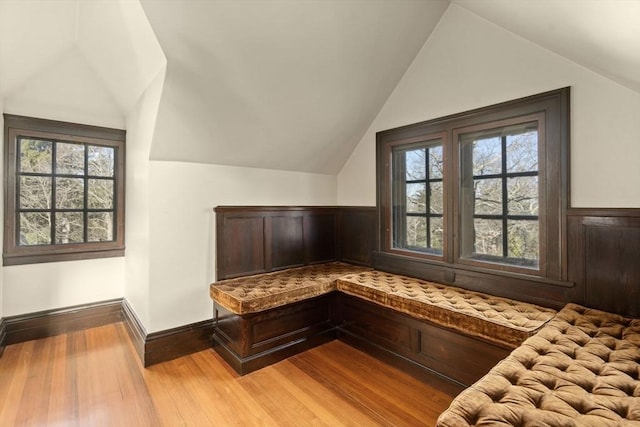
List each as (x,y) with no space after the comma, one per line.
(456,274)
(44,257)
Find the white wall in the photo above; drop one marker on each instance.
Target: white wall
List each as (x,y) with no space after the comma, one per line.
(71,92)
(37,287)
(140,129)
(182,223)
(469,62)
(84,62)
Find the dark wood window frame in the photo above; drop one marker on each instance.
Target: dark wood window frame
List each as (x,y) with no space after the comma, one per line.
(17,127)
(551,108)
(539,119)
(428,143)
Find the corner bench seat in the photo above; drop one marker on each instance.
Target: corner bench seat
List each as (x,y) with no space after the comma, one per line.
(261,292)
(581,369)
(499,320)
(264,318)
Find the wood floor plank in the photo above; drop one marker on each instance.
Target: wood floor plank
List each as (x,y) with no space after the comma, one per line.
(93,377)
(320,400)
(14,370)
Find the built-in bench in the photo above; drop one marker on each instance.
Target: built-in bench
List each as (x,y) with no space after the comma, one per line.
(581,369)
(419,325)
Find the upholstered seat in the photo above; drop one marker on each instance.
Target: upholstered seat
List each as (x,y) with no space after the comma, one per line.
(499,320)
(582,369)
(252,294)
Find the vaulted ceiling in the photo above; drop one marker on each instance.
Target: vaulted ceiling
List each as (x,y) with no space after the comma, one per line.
(106,46)
(286,85)
(279,84)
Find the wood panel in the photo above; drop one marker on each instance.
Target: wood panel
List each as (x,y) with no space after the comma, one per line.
(256,340)
(256,239)
(457,356)
(375,324)
(243,241)
(603,259)
(358,235)
(287,241)
(320,237)
(416,346)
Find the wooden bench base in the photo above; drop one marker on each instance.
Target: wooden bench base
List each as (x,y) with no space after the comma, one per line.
(253,341)
(415,346)
(250,342)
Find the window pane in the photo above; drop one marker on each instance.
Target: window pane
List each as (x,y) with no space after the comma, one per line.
(417,232)
(437,233)
(523,195)
(35,155)
(488,197)
(523,240)
(69,159)
(415,164)
(487,156)
(418,189)
(436,165)
(69,193)
(35,228)
(436,205)
(522,152)
(488,239)
(99,226)
(69,227)
(101,161)
(100,194)
(35,192)
(416,198)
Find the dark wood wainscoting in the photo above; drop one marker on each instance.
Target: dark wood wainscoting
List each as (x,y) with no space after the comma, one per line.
(259,239)
(604,259)
(253,239)
(357,238)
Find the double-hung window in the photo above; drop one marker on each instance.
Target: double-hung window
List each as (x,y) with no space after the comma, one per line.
(483,190)
(64,191)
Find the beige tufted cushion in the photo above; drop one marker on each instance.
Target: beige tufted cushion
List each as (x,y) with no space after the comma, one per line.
(582,369)
(261,292)
(499,320)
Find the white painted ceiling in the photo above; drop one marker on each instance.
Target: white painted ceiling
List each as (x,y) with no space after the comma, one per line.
(288,85)
(279,84)
(111,38)
(602,35)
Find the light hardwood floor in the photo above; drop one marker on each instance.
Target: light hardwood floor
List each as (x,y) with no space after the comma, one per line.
(93,377)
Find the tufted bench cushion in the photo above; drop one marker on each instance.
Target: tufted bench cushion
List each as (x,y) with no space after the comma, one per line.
(252,294)
(582,369)
(499,320)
